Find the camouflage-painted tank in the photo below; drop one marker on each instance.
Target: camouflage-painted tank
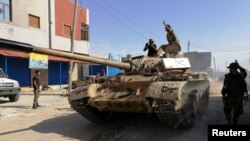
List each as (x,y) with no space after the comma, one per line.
(161,86)
(154,85)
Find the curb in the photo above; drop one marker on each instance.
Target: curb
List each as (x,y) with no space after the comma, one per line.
(51,88)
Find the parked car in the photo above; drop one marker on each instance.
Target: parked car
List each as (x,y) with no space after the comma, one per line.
(8,87)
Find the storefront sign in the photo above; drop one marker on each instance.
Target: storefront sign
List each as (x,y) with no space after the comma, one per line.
(38,61)
(117,58)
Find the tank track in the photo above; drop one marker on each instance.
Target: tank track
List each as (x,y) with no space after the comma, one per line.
(166,113)
(90,113)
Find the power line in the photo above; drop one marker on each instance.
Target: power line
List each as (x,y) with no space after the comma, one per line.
(228,47)
(224,50)
(128,19)
(120,21)
(232,49)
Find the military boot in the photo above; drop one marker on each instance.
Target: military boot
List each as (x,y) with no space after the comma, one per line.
(229,119)
(34,106)
(37,105)
(235,121)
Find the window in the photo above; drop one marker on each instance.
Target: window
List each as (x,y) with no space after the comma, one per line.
(5,10)
(34,21)
(84,32)
(67,30)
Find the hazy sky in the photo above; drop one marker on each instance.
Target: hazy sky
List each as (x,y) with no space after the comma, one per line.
(123,26)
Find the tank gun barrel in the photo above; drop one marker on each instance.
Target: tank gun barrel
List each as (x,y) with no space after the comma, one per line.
(85,58)
(6,44)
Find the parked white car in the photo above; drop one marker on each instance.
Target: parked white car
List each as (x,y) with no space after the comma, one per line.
(8,87)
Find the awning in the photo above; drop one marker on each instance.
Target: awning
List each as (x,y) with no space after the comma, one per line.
(19,54)
(14,54)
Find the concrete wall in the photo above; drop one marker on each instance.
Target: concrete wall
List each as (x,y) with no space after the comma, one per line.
(64,14)
(63,43)
(200,61)
(85,69)
(19,30)
(35,37)
(22,8)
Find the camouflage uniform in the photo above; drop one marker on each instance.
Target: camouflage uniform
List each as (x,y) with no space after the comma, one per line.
(36,86)
(173,47)
(171,37)
(233,93)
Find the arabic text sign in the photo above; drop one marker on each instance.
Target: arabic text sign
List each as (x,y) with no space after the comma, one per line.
(176,63)
(38,61)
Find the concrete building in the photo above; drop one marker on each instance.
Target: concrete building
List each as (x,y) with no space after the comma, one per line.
(46,24)
(199,61)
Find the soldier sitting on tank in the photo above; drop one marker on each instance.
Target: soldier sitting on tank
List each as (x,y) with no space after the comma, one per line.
(233,92)
(152,48)
(173,48)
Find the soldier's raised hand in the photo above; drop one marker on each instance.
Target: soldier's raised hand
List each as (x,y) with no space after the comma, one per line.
(164,22)
(238,65)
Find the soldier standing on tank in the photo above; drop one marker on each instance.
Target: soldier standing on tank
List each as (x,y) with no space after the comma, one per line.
(36,86)
(233,92)
(151,47)
(173,42)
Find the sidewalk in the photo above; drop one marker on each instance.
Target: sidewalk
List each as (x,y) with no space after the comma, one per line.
(52,88)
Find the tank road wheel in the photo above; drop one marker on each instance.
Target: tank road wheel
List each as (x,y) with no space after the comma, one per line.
(91,113)
(204,104)
(184,118)
(165,113)
(188,116)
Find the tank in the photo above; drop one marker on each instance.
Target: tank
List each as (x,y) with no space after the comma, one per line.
(164,87)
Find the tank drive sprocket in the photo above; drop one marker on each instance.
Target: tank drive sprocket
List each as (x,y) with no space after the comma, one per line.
(173,119)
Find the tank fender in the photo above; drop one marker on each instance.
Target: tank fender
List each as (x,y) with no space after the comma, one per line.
(190,99)
(82,92)
(164,90)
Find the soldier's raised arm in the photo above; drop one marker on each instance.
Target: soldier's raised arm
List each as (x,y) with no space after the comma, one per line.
(164,23)
(242,70)
(146,47)
(167,27)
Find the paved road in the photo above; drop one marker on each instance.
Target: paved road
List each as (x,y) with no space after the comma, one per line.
(55,120)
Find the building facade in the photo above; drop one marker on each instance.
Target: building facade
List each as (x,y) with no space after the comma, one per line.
(45,24)
(199,61)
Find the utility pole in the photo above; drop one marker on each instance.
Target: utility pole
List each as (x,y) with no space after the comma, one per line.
(72,45)
(188,45)
(214,65)
(249,58)
(50,22)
